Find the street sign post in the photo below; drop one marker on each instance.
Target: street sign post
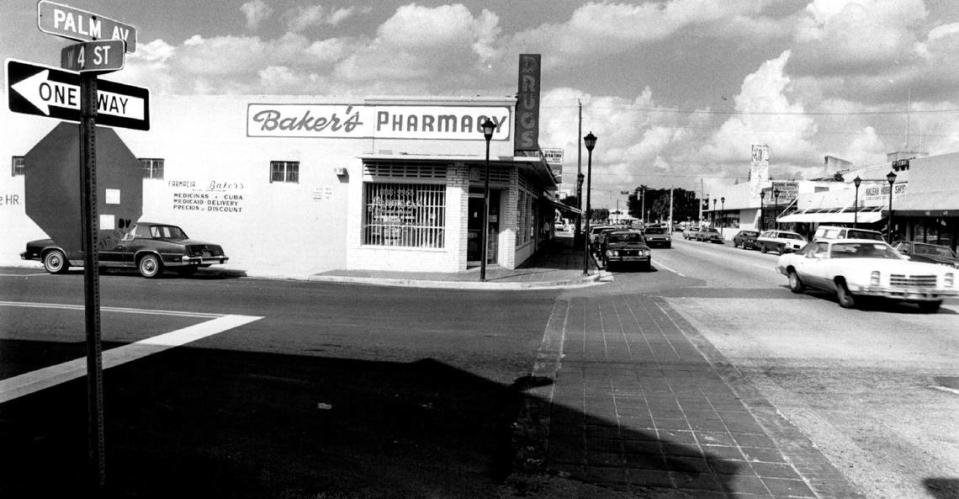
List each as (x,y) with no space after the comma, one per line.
(75,96)
(100,57)
(83,26)
(46,91)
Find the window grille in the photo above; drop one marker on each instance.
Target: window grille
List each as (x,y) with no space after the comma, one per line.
(16,166)
(408,215)
(285,171)
(152,167)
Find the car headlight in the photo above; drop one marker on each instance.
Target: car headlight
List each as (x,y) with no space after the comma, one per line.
(949,279)
(644,252)
(612,253)
(874,278)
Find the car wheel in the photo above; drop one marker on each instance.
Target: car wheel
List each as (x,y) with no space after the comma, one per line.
(929,307)
(795,285)
(781,250)
(763,249)
(846,299)
(55,262)
(149,266)
(647,266)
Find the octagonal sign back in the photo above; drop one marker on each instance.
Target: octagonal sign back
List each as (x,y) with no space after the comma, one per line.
(53,184)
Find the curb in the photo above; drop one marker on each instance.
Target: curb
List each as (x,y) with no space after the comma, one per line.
(592,280)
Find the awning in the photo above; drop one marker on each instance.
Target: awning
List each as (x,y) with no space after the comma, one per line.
(565,208)
(845,216)
(932,187)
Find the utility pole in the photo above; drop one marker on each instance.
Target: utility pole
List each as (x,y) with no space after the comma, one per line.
(579,177)
(670,209)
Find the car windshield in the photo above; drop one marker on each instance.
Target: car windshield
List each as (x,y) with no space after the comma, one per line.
(625,237)
(748,233)
(935,251)
(863,250)
(655,230)
(787,235)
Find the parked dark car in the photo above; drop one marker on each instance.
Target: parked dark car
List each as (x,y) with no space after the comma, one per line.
(657,235)
(931,253)
(746,239)
(148,247)
(626,246)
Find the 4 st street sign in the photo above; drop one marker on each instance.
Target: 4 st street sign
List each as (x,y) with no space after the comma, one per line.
(83,26)
(93,57)
(51,92)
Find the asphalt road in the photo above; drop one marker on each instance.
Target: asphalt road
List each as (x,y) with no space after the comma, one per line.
(336,390)
(351,390)
(862,384)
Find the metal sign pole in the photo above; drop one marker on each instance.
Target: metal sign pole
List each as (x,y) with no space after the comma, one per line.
(91,279)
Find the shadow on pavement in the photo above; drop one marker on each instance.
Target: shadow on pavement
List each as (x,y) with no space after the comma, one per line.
(942,488)
(194,422)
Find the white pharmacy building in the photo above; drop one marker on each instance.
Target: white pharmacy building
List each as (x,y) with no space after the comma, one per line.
(295,185)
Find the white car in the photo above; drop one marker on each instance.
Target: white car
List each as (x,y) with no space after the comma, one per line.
(781,241)
(855,268)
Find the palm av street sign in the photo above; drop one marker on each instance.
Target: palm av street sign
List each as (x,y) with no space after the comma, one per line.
(82,26)
(46,91)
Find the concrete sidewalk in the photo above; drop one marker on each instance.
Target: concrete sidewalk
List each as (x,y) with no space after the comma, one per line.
(628,396)
(557,265)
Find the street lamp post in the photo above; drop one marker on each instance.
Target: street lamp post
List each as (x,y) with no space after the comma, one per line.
(714,211)
(776,209)
(855,212)
(762,211)
(589,141)
(891,178)
(488,128)
(642,205)
(722,218)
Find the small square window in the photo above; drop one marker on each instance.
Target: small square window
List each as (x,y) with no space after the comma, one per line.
(285,171)
(16,166)
(152,167)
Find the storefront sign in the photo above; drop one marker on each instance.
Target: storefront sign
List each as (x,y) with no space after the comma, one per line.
(554,158)
(212,196)
(788,191)
(527,103)
(878,194)
(346,121)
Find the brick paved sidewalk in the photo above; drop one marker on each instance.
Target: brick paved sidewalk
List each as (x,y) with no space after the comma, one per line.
(641,403)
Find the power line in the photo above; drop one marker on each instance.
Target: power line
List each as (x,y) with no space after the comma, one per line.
(679,110)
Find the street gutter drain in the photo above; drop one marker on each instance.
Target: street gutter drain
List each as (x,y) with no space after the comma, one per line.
(947,383)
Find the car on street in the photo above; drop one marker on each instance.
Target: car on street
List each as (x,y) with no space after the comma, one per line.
(856,269)
(781,241)
(710,234)
(658,235)
(595,231)
(745,239)
(690,232)
(930,253)
(835,232)
(148,247)
(626,247)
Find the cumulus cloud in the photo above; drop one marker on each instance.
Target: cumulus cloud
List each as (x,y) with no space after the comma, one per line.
(422,42)
(618,27)
(765,116)
(256,12)
(302,18)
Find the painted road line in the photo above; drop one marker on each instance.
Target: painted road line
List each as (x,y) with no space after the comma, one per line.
(122,310)
(24,275)
(25,384)
(680,274)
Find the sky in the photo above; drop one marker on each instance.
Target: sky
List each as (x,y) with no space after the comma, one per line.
(677,91)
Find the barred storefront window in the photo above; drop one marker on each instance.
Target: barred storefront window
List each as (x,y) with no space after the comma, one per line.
(410,215)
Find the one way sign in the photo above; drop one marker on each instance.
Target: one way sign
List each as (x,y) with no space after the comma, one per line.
(51,92)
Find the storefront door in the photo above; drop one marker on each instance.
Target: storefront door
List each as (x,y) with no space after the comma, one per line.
(474,236)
